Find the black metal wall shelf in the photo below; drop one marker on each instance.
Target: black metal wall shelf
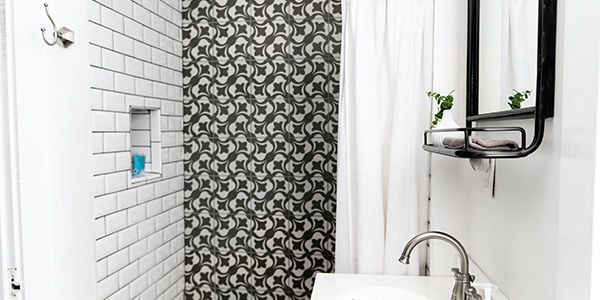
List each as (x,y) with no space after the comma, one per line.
(467,152)
(544,103)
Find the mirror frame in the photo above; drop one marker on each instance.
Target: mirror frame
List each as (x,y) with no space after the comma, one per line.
(546,65)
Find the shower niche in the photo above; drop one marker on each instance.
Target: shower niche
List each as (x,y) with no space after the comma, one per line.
(543,92)
(145,145)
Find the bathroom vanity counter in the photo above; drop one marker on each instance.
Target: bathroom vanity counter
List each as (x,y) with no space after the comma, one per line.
(384,287)
(381,287)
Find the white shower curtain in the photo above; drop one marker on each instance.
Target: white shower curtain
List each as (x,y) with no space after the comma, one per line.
(382,170)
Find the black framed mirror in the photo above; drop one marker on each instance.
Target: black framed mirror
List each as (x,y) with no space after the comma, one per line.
(542,94)
(513,44)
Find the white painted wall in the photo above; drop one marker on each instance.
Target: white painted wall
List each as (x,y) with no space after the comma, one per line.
(533,238)
(53,103)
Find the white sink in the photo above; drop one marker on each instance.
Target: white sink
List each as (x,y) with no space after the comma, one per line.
(381,293)
(381,287)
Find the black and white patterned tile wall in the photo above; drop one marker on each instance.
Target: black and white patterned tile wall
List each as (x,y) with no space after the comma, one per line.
(261,86)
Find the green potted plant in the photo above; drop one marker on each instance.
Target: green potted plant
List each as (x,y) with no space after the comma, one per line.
(444,102)
(442,120)
(518,98)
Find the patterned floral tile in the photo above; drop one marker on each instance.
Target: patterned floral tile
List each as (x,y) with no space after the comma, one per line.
(308,195)
(270,117)
(269,9)
(199,233)
(269,78)
(300,9)
(231,10)
(309,78)
(261,90)
(198,41)
(197,10)
(198,79)
(270,39)
(232,40)
(270,195)
(231,79)
(232,195)
(310,37)
(270,233)
(308,157)
(198,118)
(198,157)
(198,192)
(310,117)
(232,118)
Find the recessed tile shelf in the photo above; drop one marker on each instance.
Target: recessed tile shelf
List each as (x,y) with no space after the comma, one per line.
(145,139)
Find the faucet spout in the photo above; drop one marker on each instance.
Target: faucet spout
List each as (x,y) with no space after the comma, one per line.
(462,286)
(437,235)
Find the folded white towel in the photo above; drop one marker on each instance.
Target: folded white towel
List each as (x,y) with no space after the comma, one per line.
(480,144)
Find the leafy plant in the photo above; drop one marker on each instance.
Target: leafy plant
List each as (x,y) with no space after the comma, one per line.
(518,98)
(444,102)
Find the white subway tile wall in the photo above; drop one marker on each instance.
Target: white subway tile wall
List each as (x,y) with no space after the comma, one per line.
(135,57)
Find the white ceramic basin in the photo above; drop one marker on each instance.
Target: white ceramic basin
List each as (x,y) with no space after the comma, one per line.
(381,293)
(381,287)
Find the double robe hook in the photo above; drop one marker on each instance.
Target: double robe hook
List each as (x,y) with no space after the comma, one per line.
(64,36)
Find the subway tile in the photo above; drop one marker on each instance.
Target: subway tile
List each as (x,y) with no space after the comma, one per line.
(116,181)
(151,71)
(142,51)
(104,163)
(101,269)
(133,29)
(122,294)
(94,12)
(96,99)
(143,87)
(124,83)
(106,246)
(103,121)
(145,193)
(123,44)
(116,221)
(99,228)
(121,121)
(146,228)
(111,19)
(113,101)
(136,214)
(128,236)
(123,161)
(151,37)
(100,36)
(123,7)
(95,54)
(107,286)
(118,260)
(159,90)
(138,285)
(158,23)
(126,199)
(97,142)
(98,185)
(141,14)
(102,79)
(104,205)
(159,57)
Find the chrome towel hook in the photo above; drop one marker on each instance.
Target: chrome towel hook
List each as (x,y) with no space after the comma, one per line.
(65,36)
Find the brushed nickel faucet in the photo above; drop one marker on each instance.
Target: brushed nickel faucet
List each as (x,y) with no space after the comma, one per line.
(462,279)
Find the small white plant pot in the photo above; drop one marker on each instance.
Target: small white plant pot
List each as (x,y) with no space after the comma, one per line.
(447,122)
